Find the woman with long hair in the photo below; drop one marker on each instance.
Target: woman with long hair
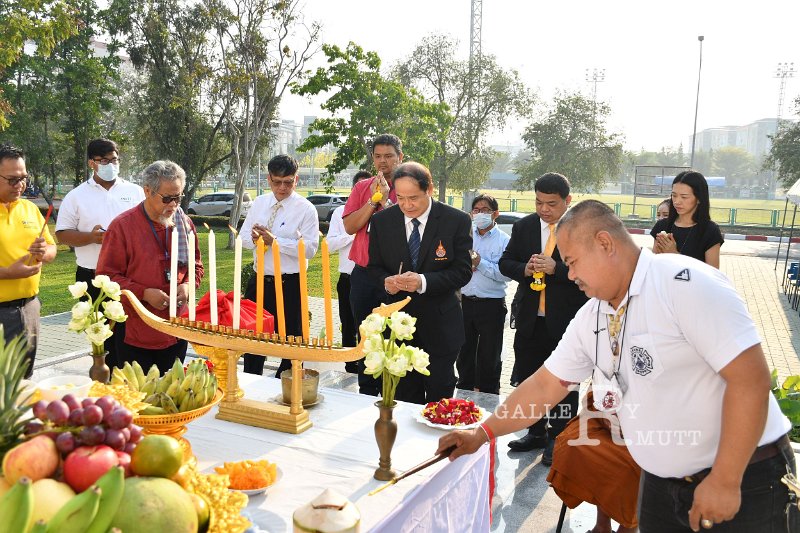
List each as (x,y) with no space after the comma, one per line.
(689,230)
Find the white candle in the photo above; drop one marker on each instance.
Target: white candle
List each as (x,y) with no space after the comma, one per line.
(237,281)
(192,280)
(212,277)
(173,275)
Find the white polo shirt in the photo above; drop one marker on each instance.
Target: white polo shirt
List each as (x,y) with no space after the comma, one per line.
(88,205)
(338,239)
(685,322)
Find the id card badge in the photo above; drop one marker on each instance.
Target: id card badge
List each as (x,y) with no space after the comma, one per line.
(607,392)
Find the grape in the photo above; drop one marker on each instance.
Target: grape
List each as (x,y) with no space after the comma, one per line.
(107,404)
(115,439)
(127,432)
(40,410)
(136,433)
(92,435)
(32,427)
(129,448)
(71,401)
(57,412)
(75,417)
(86,402)
(65,443)
(119,418)
(92,415)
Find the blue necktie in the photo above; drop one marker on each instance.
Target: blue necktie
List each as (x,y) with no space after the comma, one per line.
(413,243)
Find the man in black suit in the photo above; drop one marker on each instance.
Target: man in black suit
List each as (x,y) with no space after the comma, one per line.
(541,316)
(430,242)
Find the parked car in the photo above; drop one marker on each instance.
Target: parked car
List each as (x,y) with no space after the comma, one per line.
(326,204)
(506,220)
(218,204)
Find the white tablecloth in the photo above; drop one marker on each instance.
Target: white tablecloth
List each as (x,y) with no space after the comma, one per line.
(340,452)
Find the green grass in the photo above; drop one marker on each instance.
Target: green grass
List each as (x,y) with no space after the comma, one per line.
(57,275)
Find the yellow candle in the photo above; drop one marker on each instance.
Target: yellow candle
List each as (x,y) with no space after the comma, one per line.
(237,282)
(192,279)
(276,263)
(212,278)
(301,260)
(173,275)
(260,285)
(326,290)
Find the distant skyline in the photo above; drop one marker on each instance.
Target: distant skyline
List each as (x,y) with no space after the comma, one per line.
(649,52)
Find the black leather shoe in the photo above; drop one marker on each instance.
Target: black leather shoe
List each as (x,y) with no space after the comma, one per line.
(528,442)
(547,456)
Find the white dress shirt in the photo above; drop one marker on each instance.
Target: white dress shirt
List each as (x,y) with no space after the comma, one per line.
(296,219)
(423,221)
(338,239)
(90,204)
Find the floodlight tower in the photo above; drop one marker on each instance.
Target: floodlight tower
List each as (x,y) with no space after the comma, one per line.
(595,76)
(782,72)
(475,23)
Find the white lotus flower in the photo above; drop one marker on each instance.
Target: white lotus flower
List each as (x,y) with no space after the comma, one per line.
(402,324)
(78,289)
(373,363)
(112,290)
(398,365)
(419,359)
(98,332)
(100,281)
(81,311)
(114,311)
(77,325)
(371,325)
(373,343)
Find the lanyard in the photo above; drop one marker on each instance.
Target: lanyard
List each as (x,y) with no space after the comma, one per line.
(153,228)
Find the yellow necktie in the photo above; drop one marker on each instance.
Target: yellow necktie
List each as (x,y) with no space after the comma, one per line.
(548,251)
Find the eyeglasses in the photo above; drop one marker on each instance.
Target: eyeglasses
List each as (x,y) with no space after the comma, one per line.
(169,199)
(104,161)
(15,181)
(282,183)
(484,210)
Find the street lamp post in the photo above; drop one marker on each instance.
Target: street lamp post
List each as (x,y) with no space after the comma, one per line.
(697,100)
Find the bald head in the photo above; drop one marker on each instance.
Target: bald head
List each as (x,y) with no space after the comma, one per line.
(589,217)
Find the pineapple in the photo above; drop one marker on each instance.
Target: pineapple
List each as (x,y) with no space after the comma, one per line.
(13,365)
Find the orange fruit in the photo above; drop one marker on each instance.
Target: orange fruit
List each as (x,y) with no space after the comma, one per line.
(203,512)
(157,456)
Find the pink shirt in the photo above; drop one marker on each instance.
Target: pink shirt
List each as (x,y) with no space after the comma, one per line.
(359,253)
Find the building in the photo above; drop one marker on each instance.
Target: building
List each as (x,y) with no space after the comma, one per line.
(752,137)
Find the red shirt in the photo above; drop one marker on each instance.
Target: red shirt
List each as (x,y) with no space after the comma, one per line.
(359,253)
(134,257)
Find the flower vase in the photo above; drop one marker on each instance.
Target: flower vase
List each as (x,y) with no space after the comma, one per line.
(99,370)
(385,434)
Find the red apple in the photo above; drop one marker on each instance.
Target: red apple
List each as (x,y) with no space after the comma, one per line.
(125,462)
(86,464)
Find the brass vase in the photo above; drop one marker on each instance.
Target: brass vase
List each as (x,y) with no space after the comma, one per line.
(385,434)
(99,370)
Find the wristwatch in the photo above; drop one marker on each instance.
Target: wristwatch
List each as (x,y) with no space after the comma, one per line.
(374,205)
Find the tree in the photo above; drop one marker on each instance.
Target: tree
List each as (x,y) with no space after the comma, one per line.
(45,22)
(472,171)
(364,104)
(169,100)
(784,155)
(479,97)
(572,140)
(734,163)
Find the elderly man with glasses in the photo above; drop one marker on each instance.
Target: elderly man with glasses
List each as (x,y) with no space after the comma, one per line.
(25,244)
(136,253)
(286,217)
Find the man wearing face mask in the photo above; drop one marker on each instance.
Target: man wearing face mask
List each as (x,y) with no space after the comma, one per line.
(483,302)
(88,209)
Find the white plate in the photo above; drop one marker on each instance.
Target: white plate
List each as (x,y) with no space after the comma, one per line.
(254,492)
(419,417)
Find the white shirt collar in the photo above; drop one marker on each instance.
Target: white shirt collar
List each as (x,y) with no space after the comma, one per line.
(423,218)
(639,274)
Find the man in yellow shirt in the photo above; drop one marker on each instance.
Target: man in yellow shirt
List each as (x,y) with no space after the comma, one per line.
(25,244)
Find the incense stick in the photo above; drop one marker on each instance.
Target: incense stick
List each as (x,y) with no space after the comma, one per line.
(400,270)
(41,232)
(433,460)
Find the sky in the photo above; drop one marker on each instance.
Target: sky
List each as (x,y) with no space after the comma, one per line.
(649,51)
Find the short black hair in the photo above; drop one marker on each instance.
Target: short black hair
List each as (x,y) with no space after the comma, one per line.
(100,147)
(417,172)
(282,165)
(388,139)
(488,199)
(699,186)
(361,175)
(552,183)
(9,151)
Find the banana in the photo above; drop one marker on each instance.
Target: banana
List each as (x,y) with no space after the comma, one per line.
(130,375)
(76,515)
(149,387)
(168,405)
(112,485)
(153,374)
(186,401)
(153,400)
(177,368)
(40,526)
(118,377)
(139,373)
(16,507)
(153,410)
(172,390)
(164,382)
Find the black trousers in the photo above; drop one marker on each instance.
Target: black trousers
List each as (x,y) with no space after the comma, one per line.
(346,318)
(365,295)
(531,350)
(21,317)
(479,364)
(254,364)
(416,388)
(87,275)
(163,358)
